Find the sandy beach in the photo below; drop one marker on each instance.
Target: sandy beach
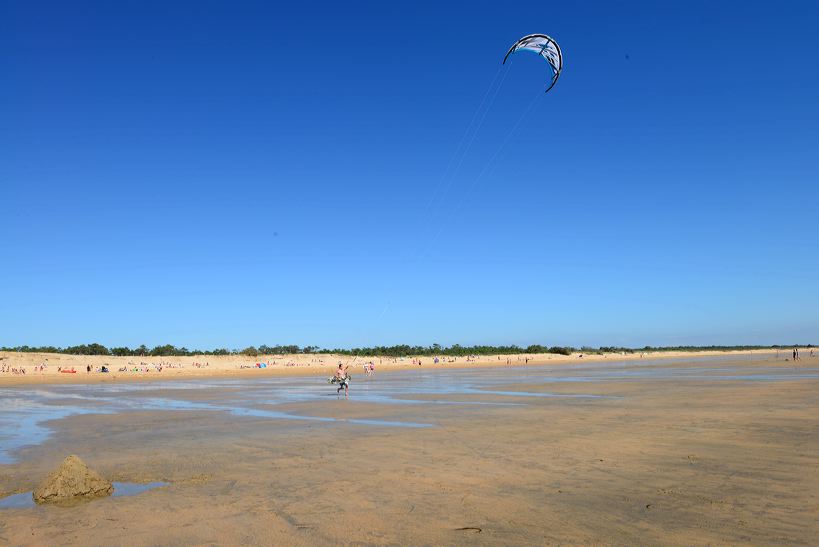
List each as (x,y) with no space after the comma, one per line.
(48,367)
(685,451)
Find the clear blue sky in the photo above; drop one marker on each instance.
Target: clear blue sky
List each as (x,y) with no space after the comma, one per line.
(214,174)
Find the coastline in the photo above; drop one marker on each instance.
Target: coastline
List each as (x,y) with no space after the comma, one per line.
(140,369)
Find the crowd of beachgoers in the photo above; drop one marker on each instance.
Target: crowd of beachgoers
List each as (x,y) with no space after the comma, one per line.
(143,367)
(19,370)
(368,364)
(274,361)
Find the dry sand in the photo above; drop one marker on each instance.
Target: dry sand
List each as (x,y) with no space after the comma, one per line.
(668,461)
(212,366)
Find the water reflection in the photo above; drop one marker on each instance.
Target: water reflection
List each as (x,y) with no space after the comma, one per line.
(121,489)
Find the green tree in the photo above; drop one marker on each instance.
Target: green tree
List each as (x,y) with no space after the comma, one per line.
(250,351)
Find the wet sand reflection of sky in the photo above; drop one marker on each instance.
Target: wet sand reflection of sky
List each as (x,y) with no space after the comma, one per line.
(24,411)
(121,489)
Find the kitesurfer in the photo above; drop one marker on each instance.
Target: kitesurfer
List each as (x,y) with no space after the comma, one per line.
(343,380)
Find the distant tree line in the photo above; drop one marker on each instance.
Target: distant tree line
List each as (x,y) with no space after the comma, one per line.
(455,350)
(722,348)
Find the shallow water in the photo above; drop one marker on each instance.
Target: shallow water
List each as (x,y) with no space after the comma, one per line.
(24,411)
(26,501)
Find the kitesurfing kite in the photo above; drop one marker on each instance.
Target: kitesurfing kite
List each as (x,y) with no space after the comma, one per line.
(544,46)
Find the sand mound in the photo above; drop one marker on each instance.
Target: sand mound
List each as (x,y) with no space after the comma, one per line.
(73,479)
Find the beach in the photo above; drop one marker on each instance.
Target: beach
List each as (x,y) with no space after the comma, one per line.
(49,367)
(685,450)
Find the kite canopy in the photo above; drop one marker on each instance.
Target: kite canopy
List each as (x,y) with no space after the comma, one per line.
(545,47)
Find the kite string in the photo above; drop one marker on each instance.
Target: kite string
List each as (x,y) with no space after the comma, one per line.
(508,138)
(451,180)
(460,154)
(483,171)
(475,182)
(460,150)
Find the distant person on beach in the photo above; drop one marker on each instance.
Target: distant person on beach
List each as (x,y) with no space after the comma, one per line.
(795,354)
(88,369)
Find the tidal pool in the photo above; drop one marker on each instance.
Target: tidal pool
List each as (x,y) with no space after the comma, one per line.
(26,500)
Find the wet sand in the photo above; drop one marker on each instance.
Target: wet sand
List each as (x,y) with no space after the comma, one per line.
(695,451)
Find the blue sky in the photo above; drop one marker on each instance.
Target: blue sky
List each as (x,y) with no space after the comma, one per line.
(224,174)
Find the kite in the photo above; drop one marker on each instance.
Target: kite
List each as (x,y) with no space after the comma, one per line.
(545,47)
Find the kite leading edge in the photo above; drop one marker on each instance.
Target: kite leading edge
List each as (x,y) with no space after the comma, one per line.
(545,47)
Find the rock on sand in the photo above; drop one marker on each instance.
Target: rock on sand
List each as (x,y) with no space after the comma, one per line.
(73,479)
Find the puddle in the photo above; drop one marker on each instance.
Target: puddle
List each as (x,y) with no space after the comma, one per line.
(21,418)
(258,413)
(121,489)
(537,394)
(17,501)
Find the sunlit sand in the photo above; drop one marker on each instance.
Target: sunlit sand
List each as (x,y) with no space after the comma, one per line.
(686,450)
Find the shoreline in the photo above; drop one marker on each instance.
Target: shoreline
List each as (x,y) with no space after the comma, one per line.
(236,366)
